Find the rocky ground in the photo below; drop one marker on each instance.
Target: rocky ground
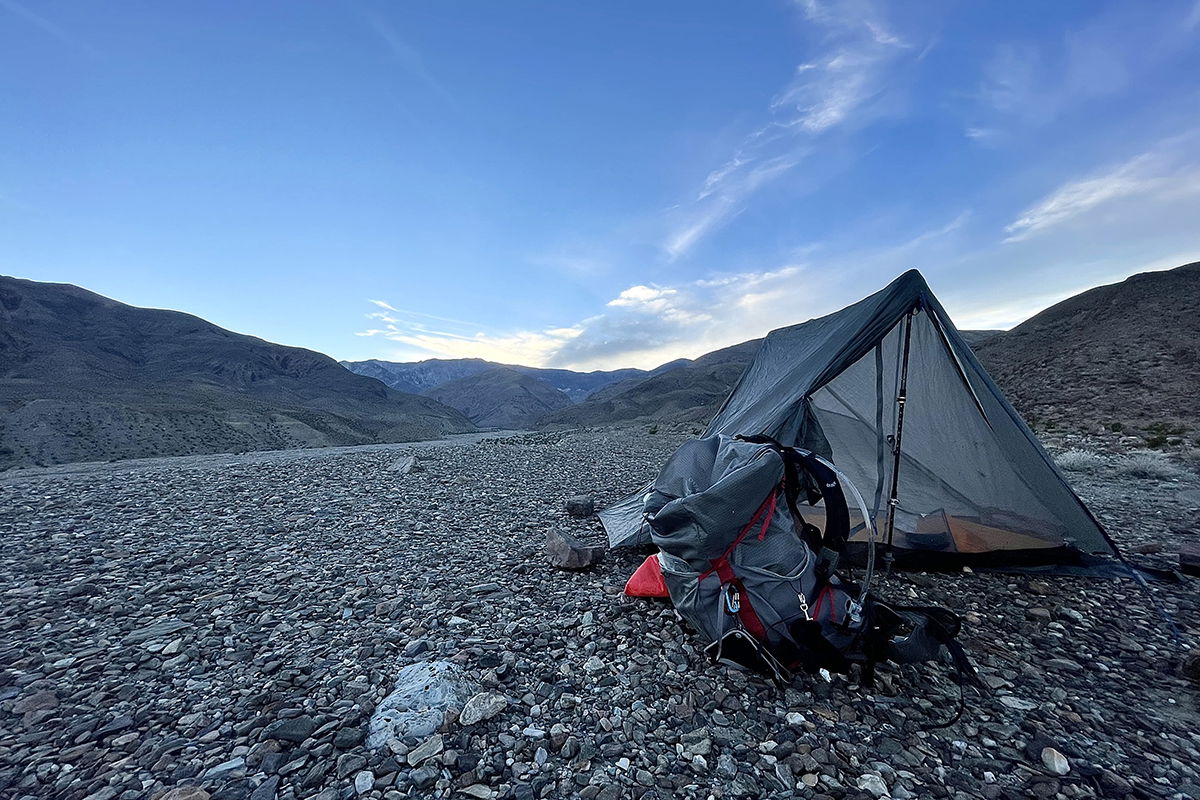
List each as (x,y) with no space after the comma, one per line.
(224,627)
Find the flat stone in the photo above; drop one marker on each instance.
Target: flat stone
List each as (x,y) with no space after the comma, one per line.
(406,465)
(346,738)
(156,630)
(38,701)
(566,552)
(581,505)
(225,769)
(426,750)
(873,784)
(183,793)
(296,729)
(482,706)
(1189,559)
(1017,703)
(266,790)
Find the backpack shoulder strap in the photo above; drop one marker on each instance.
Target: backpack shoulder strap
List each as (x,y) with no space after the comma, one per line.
(837,512)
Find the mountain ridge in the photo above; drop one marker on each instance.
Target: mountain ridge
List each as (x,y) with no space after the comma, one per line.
(1125,354)
(84,377)
(419,377)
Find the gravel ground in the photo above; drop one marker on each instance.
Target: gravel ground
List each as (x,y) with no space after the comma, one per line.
(224,626)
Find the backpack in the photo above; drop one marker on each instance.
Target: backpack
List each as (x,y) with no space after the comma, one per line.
(746,570)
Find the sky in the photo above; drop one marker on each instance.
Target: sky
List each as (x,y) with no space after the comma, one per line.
(591,185)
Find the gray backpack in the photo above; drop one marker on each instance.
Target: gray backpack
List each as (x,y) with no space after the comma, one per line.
(760,583)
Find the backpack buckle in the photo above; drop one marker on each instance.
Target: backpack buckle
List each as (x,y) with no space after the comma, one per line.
(733,601)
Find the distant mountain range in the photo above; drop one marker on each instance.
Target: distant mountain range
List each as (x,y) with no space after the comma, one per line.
(493,395)
(85,378)
(687,392)
(419,377)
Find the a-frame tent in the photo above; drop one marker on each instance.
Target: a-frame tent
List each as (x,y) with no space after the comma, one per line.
(889,391)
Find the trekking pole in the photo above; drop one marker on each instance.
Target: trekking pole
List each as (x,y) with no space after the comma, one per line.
(901,398)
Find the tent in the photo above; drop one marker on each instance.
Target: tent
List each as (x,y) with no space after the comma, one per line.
(889,391)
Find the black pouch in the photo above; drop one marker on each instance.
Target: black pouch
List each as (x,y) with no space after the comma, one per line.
(738,648)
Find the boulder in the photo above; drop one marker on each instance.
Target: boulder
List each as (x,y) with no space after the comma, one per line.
(418,704)
(581,505)
(406,465)
(567,552)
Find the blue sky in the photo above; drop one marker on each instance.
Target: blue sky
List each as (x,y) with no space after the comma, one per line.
(591,185)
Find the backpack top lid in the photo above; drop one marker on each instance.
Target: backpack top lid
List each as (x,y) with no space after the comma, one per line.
(706,494)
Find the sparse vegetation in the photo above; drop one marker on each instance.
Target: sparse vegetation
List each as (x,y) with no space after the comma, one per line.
(1162,434)
(1082,461)
(1150,464)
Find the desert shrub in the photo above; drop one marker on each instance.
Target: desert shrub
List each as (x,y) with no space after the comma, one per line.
(1161,434)
(1116,427)
(1150,464)
(1080,461)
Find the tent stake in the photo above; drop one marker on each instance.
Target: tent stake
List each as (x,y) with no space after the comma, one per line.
(901,399)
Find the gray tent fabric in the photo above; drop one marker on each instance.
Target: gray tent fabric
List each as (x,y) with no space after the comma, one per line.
(973,485)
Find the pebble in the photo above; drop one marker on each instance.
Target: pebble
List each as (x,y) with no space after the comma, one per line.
(364,781)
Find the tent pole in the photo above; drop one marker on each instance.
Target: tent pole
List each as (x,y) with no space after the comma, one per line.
(901,399)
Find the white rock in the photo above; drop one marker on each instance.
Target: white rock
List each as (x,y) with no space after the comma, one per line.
(1016,703)
(484,705)
(1055,761)
(364,781)
(795,718)
(422,695)
(406,465)
(874,784)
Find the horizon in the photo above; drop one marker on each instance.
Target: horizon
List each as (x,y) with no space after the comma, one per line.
(619,186)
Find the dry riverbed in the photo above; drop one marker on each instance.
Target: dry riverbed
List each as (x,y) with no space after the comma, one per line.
(229,623)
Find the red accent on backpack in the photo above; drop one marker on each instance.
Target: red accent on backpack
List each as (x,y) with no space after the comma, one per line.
(647,580)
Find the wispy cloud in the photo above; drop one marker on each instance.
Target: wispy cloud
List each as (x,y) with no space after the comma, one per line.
(454,338)
(642,326)
(1160,174)
(1026,85)
(408,57)
(47,26)
(831,91)
(647,324)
